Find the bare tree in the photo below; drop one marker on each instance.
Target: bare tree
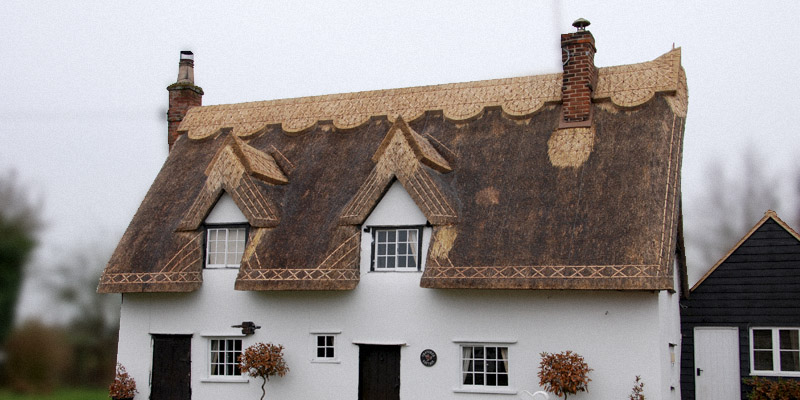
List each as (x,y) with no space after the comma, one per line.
(92,319)
(732,204)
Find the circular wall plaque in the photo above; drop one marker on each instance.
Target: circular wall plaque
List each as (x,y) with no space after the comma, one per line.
(428,357)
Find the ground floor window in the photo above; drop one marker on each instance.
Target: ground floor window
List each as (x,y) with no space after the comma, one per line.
(225,357)
(775,351)
(484,365)
(325,349)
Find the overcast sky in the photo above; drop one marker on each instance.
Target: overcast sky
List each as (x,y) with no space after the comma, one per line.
(83,98)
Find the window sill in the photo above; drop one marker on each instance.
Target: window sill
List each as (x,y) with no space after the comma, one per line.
(225,379)
(385,271)
(794,374)
(486,390)
(326,361)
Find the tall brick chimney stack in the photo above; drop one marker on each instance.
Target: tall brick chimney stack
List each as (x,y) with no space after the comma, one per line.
(580,76)
(183,95)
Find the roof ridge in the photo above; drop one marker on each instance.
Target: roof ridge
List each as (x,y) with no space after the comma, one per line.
(626,86)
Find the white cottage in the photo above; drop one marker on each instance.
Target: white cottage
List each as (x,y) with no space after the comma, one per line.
(417,243)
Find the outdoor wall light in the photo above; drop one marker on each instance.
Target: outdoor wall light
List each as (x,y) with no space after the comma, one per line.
(248,327)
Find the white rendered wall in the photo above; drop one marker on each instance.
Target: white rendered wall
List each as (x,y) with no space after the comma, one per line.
(225,211)
(618,333)
(670,333)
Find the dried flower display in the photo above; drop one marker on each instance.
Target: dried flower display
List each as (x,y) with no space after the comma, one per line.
(262,361)
(638,389)
(772,389)
(563,373)
(124,386)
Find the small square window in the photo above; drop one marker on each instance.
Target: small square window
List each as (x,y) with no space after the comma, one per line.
(225,246)
(325,348)
(225,357)
(396,249)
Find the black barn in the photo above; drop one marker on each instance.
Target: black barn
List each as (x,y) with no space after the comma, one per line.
(742,318)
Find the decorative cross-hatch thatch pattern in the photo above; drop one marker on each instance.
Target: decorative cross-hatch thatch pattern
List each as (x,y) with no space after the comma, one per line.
(545,272)
(298,274)
(151,277)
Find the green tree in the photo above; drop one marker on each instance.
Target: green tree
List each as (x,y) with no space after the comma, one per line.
(19,223)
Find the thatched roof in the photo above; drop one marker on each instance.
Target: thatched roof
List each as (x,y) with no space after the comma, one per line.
(514,201)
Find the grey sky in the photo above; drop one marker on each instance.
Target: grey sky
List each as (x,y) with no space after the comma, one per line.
(83,99)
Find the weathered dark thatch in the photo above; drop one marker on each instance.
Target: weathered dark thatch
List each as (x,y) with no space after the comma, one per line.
(514,201)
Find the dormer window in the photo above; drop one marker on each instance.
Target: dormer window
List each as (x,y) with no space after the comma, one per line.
(396,248)
(226,234)
(225,246)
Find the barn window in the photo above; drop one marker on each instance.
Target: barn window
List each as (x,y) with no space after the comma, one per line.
(775,351)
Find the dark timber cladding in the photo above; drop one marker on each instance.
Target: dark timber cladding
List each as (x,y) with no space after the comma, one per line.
(756,285)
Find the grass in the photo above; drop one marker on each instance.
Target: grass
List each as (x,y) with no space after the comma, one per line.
(61,394)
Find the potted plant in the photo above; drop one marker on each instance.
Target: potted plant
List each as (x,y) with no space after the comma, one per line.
(124,386)
(262,361)
(563,373)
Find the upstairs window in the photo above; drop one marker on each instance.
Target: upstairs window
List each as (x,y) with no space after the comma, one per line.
(775,351)
(396,249)
(225,246)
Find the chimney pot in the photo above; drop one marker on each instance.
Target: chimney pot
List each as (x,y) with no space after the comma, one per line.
(581,24)
(183,95)
(186,67)
(580,76)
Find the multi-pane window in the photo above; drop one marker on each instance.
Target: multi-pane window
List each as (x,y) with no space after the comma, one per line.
(325,348)
(396,249)
(225,246)
(225,357)
(484,365)
(775,350)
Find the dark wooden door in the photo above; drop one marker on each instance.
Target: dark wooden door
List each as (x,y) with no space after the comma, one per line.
(172,368)
(379,372)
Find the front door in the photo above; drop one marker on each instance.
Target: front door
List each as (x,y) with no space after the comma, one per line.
(716,362)
(378,372)
(172,367)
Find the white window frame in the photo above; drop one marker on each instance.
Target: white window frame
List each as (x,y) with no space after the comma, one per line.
(235,261)
(334,347)
(377,248)
(237,375)
(508,389)
(776,352)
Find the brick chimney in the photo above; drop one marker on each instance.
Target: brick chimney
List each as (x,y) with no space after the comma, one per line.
(580,76)
(183,95)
